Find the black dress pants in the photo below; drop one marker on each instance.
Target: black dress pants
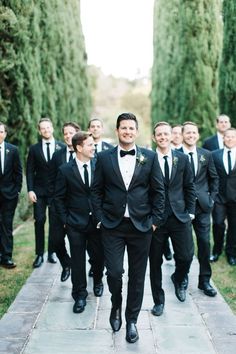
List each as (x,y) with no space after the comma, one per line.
(182,241)
(7,211)
(137,243)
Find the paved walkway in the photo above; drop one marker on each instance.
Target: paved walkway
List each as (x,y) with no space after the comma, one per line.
(41,321)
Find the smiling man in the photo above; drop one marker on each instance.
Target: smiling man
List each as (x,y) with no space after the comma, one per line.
(128,202)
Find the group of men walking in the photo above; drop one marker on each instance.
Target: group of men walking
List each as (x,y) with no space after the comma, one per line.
(107,199)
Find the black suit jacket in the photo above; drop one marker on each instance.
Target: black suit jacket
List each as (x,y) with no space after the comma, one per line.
(37,169)
(71,198)
(227,182)
(145,196)
(58,159)
(11,179)
(181,188)
(206,180)
(106,146)
(211,143)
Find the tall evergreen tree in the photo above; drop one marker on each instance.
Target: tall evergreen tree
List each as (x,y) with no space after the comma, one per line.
(43,68)
(187,44)
(227,87)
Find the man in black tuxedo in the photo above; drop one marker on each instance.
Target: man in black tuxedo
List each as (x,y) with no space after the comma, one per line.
(128,201)
(95,127)
(10,187)
(225,204)
(215,142)
(37,175)
(60,157)
(179,211)
(73,204)
(206,182)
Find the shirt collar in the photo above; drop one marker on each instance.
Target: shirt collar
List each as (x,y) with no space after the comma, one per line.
(161,155)
(133,147)
(187,151)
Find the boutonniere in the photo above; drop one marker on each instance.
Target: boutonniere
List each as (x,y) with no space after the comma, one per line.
(7,151)
(57,147)
(141,159)
(175,160)
(202,158)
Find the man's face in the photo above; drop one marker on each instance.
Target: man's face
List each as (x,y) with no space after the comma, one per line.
(96,129)
(177,137)
(190,135)
(3,133)
(68,133)
(46,130)
(230,139)
(223,124)
(87,149)
(162,137)
(127,133)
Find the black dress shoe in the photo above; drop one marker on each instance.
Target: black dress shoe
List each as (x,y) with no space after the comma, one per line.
(65,273)
(157,310)
(115,319)
(214,257)
(79,305)
(207,289)
(131,333)
(38,261)
(168,255)
(180,291)
(231,260)
(51,258)
(90,273)
(8,263)
(98,289)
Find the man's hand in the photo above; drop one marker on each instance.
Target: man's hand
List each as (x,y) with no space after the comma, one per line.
(32,197)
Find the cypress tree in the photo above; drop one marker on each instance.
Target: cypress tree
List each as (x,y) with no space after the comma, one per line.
(227,87)
(187,44)
(43,70)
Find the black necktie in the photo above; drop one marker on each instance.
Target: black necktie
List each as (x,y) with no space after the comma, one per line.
(48,151)
(192,163)
(71,155)
(166,169)
(229,162)
(96,148)
(86,176)
(0,160)
(124,152)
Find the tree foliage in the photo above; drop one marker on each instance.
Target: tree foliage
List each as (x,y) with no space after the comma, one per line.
(187,45)
(43,69)
(227,87)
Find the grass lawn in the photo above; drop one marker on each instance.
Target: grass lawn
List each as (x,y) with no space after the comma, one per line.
(23,255)
(224,275)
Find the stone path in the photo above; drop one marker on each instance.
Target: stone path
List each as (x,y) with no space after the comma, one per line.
(41,321)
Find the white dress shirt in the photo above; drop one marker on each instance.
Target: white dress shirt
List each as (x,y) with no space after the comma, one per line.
(225,158)
(80,165)
(51,147)
(127,166)
(68,154)
(220,140)
(2,151)
(162,161)
(98,146)
(195,159)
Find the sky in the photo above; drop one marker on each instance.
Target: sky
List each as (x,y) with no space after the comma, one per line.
(118,36)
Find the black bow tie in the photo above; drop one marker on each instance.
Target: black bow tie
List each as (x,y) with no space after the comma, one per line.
(124,152)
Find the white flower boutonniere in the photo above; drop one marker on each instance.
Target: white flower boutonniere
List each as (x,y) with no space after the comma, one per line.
(202,158)
(141,159)
(57,147)
(175,161)
(7,151)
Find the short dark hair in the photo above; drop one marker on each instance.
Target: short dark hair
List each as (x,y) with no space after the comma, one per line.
(92,120)
(46,119)
(5,126)
(126,116)
(79,138)
(159,124)
(71,124)
(189,123)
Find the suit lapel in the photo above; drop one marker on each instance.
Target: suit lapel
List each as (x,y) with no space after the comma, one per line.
(174,165)
(115,164)
(138,166)
(77,173)
(199,163)
(40,147)
(6,155)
